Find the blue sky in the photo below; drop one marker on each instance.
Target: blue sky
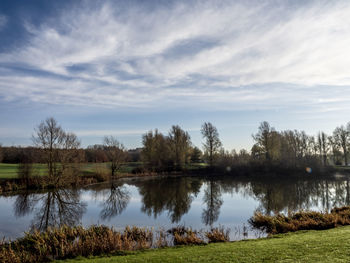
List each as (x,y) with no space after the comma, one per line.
(124,67)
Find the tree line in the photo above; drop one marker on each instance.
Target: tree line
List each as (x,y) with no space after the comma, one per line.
(60,149)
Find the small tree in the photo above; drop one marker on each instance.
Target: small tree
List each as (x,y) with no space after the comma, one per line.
(212,142)
(196,155)
(115,152)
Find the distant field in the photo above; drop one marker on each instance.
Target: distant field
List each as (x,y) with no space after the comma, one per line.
(8,171)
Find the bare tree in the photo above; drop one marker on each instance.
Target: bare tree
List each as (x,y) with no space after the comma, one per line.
(49,136)
(117,201)
(342,136)
(323,146)
(212,142)
(60,148)
(116,153)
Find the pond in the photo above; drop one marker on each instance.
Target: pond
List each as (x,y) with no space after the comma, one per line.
(164,202)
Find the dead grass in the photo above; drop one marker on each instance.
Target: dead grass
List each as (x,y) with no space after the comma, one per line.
(305,220)
(69,242)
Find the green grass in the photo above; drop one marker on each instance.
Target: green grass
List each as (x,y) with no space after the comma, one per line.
(8,171)
(305,246)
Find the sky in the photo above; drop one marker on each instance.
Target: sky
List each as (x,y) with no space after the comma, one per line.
(122,68)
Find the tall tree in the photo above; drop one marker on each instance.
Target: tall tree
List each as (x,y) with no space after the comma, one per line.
(155,152)
(323,146)
(212,142)
(180,143)
(268,141)
(115,152)
(342,139)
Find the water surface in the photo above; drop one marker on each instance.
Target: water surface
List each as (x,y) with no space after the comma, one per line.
(197,202)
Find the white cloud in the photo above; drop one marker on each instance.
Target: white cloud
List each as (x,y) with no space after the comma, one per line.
(189,54)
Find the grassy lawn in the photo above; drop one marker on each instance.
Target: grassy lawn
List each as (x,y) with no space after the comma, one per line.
(305,246)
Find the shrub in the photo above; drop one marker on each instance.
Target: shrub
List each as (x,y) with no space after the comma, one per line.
(218,234)
(185,236)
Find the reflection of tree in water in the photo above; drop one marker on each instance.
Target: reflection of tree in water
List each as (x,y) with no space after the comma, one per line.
(24,204)
(54,208)
(212,198)
(172,194)
(277,196)
(117,200)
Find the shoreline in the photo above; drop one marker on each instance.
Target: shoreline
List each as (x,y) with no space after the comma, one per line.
(14,185)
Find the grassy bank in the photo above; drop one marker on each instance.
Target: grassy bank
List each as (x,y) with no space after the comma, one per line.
(305,246)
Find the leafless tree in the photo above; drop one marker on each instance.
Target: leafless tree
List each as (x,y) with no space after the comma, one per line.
(60,149)
(117,201)
(323,146)
(342,139)
(212,142)
(116,153)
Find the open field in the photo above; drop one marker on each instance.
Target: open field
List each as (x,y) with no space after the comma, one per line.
(8,171)
(305,246)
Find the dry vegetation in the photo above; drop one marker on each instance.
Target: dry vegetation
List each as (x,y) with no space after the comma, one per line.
(308,220)
(69,242)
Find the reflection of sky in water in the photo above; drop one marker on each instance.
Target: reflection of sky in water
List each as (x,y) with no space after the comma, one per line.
(10,226)
(234,212)
(239,201)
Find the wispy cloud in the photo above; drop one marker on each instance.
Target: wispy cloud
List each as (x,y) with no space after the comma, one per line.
(3,21)
(250,55)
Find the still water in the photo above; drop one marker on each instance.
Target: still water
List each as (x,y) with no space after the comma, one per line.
(197,202)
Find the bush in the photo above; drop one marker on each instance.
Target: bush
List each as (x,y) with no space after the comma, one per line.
(185,236)
(218,234)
